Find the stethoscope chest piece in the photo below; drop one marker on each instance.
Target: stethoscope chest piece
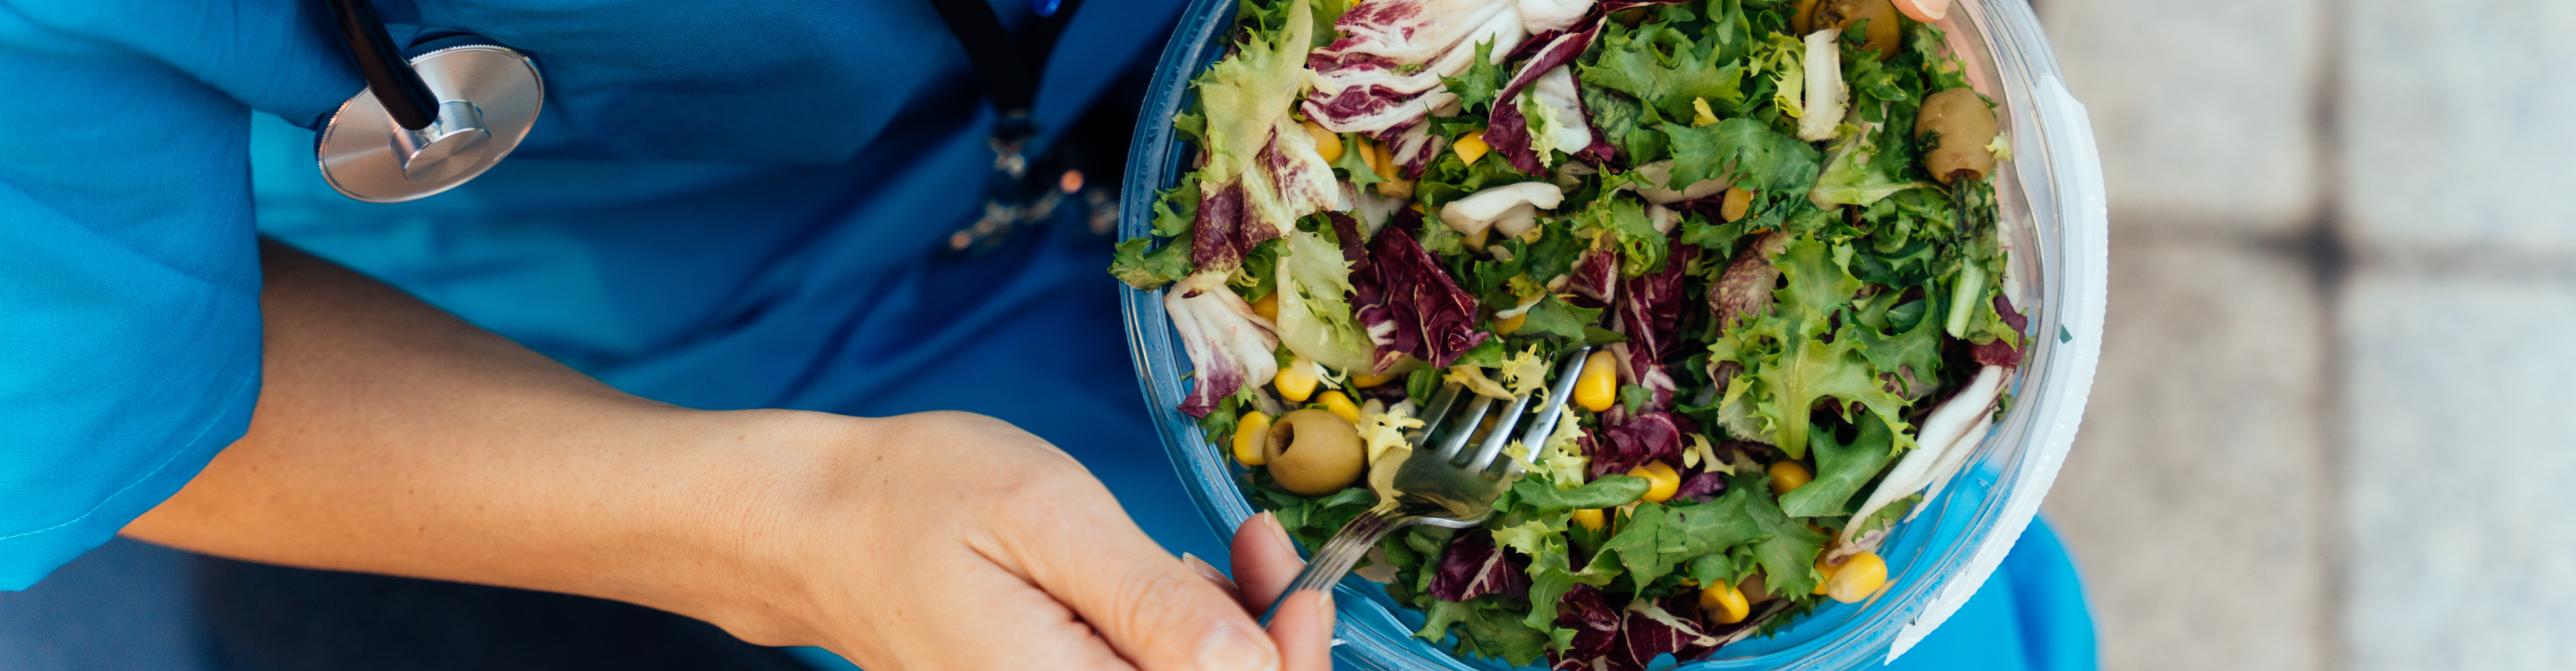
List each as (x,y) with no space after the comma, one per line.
(488,97)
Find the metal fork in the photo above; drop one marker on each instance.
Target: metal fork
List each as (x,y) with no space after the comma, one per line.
(1447,486)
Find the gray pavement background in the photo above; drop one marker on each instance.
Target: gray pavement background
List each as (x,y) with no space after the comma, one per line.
(2328,431)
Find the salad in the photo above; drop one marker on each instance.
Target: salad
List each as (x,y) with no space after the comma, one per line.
(1774,222)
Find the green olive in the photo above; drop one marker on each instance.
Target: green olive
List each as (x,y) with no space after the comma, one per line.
(1314,452)
(1885,33)
(1966,125)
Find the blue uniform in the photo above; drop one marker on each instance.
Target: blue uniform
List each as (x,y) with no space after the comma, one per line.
(723,205)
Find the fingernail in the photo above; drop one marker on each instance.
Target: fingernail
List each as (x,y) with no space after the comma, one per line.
(1229,648)
(1206,570)
(1324,610)
(1271,522)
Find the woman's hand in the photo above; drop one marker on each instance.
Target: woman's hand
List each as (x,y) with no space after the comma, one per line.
(391,438)
(955,541)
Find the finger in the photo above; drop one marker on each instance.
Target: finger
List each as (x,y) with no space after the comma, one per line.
(1149,605)
(1303,629)
(1213,576)
(1265,561)
(997,621)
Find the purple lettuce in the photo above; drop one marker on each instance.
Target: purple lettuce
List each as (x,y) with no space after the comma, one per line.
(1595,625)
(1595,280)
(1362,82)
(1650,309)
(1627,639)
(1230,345)
(1625,442)
(1262,171)
(1507,131)
(1475,567)
(1410,304)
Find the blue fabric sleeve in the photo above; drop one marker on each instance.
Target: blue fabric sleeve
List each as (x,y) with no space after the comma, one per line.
(129,271)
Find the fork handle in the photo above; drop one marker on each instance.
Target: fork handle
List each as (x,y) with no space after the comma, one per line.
(1347,546)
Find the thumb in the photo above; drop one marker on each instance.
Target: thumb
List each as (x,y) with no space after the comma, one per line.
(1155,610)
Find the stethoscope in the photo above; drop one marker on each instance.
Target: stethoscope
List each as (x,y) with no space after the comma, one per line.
(440,118)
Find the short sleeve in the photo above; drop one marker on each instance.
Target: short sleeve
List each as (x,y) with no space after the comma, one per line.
(129,274)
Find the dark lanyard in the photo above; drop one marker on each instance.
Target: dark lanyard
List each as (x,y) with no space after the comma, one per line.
(1009,68)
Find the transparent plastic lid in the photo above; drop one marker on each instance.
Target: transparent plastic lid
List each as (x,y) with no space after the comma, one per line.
(2053,221)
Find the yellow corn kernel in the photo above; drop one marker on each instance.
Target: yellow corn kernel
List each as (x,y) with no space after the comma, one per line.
(1788,475)
(1590,518)
(1661,481)
(1598,387)
(1471,147)
(1736,203)
(1340,405)
(1507,326)
(1296,381)
(1824,571)
(1327,144)
(1267,307)
(1858,577)
(1249,432)
(1724,603)
(1385,163)
(1367,381)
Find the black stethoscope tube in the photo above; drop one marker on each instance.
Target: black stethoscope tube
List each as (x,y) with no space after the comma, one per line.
(388,74)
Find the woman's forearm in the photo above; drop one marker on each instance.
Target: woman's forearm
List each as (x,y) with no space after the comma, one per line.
(393,438)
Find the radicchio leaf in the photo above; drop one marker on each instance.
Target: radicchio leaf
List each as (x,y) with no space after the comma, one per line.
(1414,148)
(1627,639)
(1649,629)
(1410,305)
(1262,170)
(2012,318)
(1650,309)
(1743,291)
(1474,567)
(1997,353)
(1625,442)
(1359,83)
(1508,131)
(1595,625)
(2000,353)
(1704,486)
(1229,344)
(1595,279)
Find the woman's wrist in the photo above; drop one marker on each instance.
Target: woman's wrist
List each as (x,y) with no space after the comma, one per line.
(757,516)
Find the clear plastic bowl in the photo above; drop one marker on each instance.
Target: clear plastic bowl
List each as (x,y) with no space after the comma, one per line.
(2053,220)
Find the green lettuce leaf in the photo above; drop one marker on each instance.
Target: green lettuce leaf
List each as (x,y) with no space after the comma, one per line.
(1666,69)
(1743,151)
(1144,269)
(1480,83)
(1315,318)
(1641,248)
(1791,366)
(1789,547)
(1840,470)
(1554,318)
(1537,497)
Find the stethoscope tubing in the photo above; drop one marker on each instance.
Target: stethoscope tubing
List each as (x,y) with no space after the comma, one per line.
(388,74)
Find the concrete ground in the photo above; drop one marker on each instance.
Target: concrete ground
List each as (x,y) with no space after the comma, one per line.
(2323,434)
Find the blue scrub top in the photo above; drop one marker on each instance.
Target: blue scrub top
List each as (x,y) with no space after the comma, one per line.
(725,204)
